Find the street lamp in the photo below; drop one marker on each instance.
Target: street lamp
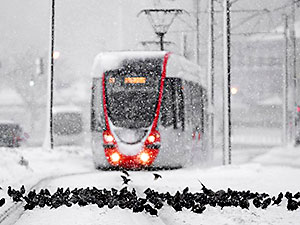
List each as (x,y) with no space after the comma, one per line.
(31,83)
(56,55)
(234,90)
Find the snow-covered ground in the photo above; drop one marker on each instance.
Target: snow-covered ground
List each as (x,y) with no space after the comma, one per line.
(277,170)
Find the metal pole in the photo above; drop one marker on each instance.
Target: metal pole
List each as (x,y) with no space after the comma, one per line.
(52,72)
(211,71)
(197,33)
(161,40)
(285,84)
(226,88)
(184,45)
(120,24)
(294,72)
(49,125)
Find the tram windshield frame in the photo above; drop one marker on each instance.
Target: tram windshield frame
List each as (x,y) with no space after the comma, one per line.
(132,92)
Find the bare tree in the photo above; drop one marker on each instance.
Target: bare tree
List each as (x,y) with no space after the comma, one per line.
(19,74)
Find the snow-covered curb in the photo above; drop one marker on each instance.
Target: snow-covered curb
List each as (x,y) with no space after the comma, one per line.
(27,166)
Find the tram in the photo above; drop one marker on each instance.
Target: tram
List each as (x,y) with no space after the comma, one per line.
(148,109)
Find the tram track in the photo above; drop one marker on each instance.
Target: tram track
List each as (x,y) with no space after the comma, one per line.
(11,215)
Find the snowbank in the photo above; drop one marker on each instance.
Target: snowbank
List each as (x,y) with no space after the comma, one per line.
(278,170)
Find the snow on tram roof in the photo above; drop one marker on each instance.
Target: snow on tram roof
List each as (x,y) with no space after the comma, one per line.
(180,67)
(111,60)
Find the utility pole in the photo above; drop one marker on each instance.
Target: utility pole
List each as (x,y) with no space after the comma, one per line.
(49,124)
(197,4)
(120,24)
(52,72)
(293,72)
(226,83)
(211,72)
(285,83)
(184,45)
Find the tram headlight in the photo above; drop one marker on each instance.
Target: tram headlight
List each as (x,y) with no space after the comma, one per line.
(144,157)
(115,157)
(108,138)
(151,138)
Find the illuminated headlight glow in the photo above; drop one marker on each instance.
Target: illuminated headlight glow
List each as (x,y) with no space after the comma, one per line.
(151,138)
(108,138)
(144,157)
(115,157)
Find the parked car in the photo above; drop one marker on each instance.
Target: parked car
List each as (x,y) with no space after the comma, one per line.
(67,125)
(10,134)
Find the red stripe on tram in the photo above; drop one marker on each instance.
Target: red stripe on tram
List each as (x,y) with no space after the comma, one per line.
(163,75)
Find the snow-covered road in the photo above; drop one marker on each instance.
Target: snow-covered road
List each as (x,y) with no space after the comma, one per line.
(270,173)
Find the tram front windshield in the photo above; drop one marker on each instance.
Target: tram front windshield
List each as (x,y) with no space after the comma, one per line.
(132,92)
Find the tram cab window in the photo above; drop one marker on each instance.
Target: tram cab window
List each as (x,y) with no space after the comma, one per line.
(172,108)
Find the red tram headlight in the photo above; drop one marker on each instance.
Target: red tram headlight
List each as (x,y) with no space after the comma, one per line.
(107,137)
(153,140)
(153,137)
(115,157)
(144,157)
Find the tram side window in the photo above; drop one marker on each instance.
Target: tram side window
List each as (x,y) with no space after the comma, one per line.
(188,102)
(197,103)
(97,123)
(172,109)
(196,109)
(167,107)
(204,102)
(179,104)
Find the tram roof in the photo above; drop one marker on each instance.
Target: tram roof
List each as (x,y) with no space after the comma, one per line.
(111,60)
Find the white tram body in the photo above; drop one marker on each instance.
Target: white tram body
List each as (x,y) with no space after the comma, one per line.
(148,109)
